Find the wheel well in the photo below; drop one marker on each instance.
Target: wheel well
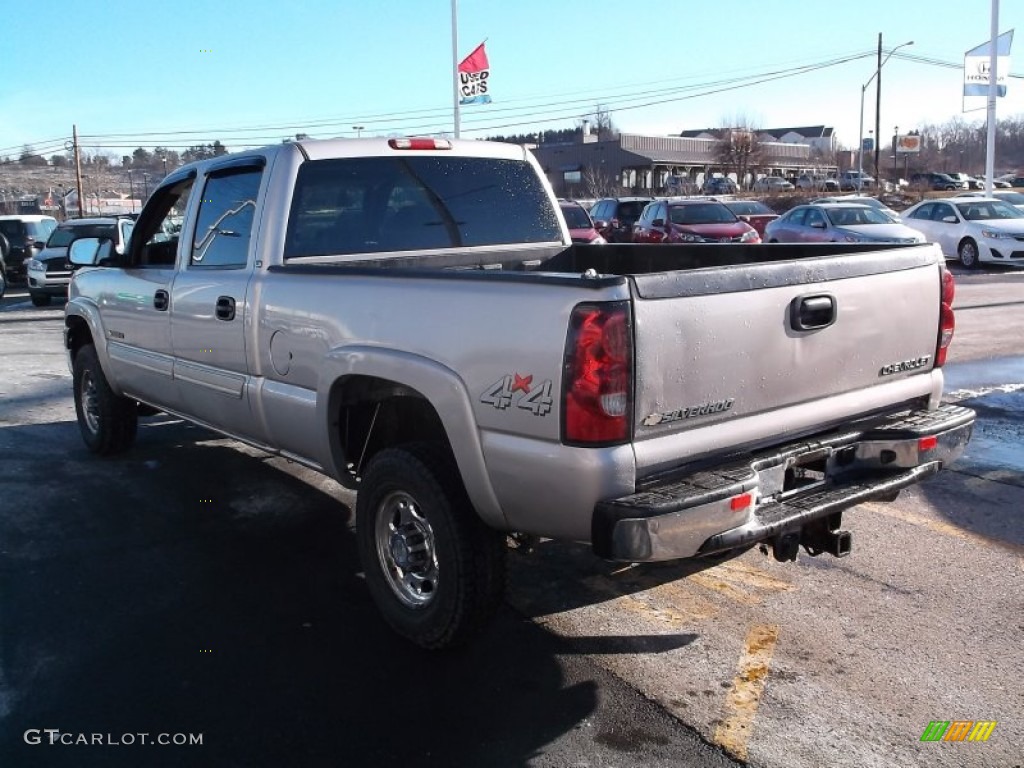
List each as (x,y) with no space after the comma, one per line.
(78,334)
(369,414)
(966,240)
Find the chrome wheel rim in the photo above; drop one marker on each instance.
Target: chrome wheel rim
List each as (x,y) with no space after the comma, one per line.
(90,402)
(405,550)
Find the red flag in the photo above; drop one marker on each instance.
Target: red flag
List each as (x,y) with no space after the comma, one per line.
(476,61)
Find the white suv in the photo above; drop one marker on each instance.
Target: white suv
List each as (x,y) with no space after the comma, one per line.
(855,180)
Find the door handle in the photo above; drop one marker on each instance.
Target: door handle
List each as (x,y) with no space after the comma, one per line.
(225,308)
(161,300)
(810,313)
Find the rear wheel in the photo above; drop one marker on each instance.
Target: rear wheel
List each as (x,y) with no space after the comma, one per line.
(108,422)
(435,571)
(968,253)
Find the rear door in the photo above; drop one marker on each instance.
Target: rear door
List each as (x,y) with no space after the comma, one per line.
(209,300)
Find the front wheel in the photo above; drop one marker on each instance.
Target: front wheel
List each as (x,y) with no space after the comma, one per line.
(435,571)
(108,422)
(968,253)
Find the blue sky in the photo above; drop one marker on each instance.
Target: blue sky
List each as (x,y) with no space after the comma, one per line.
(322,67)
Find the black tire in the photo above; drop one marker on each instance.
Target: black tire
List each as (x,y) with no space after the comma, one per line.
(967,252)
(3,282)
(107,421)
(40,300)
(434,569)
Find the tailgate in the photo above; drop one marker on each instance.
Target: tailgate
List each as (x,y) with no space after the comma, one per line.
(727,343)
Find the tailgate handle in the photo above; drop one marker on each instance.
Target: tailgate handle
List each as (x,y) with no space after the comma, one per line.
(809,313)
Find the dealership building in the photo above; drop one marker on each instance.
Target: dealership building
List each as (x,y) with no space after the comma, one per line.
(667,164)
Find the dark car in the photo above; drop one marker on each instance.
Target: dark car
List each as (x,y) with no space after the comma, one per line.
(720,185)
(21,238)
(614,217)
(50,272)
(581,226)
(939,181)
(691,221)
(754,212)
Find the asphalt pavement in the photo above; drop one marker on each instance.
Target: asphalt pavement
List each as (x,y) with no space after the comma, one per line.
(195,589)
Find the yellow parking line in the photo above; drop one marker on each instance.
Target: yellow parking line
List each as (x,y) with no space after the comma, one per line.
(733,733)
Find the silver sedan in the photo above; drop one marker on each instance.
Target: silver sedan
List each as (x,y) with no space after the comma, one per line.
(838,223)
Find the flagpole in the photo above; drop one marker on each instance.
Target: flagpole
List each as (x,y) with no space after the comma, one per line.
(455,63)
(990,143)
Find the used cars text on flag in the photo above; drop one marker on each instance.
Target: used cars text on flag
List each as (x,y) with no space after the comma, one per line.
(474,72)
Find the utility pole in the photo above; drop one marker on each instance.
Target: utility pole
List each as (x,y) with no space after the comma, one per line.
(878,107)
(78,171)
(455,65)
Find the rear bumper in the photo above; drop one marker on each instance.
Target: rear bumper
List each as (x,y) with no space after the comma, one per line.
(778,492)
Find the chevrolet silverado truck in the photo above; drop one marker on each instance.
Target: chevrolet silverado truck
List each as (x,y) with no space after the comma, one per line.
(409,317)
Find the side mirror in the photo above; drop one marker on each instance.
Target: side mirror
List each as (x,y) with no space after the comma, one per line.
(744,217)
(89,251)
(949,219)
(600,224)
(818,224)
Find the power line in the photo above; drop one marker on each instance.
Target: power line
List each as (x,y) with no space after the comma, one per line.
(437,119)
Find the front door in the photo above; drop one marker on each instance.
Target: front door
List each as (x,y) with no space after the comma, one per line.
(135,303)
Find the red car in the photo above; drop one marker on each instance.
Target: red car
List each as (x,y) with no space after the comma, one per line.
(691,221)
(581,226)
(755,213)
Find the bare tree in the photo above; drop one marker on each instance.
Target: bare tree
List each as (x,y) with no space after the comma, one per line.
(602,122)
(739,149)
(597,182)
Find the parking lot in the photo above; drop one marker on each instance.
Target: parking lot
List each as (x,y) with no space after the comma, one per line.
(196,586)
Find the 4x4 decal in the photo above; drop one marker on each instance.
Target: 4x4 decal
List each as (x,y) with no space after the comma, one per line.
(513,390)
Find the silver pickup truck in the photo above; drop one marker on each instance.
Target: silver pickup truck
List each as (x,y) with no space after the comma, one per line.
(409,317)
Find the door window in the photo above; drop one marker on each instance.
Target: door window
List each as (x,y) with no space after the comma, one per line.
(814,218)
(159,226)
(225,222)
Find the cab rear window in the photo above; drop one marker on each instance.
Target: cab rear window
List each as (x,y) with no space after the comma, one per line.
(381,204)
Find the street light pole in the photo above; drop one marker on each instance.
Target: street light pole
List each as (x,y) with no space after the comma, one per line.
(863,90)
(895,166)
(131,190)
(358,129)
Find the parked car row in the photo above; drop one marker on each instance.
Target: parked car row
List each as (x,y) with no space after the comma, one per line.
(971,228)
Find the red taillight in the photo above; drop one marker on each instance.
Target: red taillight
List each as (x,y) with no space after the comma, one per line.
(419,144)
(947,322)
(597,377)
